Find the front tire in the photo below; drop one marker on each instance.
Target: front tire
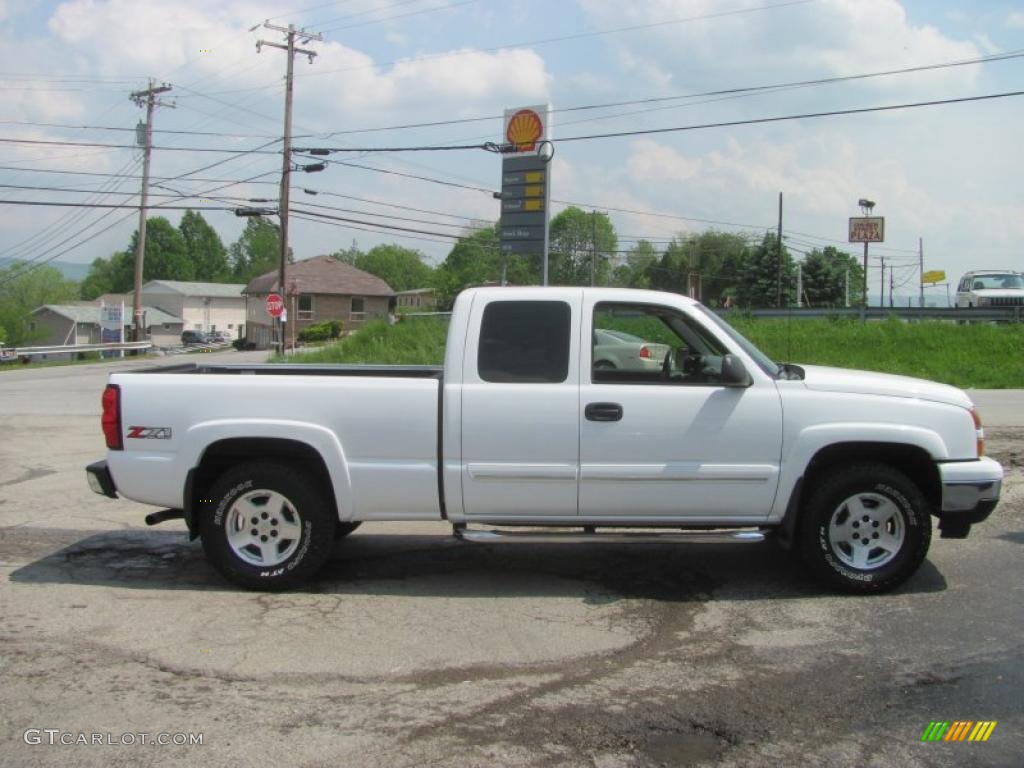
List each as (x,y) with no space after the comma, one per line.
(866,529)
(270,529)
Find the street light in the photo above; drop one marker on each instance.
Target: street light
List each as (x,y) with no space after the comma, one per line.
(866,206)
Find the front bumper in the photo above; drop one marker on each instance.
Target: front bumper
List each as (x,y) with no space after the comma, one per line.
(970,491)
(100,479)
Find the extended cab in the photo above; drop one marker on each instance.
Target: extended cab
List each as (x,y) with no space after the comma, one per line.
(269,464)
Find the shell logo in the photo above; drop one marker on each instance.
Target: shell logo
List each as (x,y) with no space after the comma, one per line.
(524,129)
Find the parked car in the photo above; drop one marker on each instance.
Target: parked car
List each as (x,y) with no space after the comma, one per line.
(624,351)
(219,337)
(990,288)
(193,338)
(270,464)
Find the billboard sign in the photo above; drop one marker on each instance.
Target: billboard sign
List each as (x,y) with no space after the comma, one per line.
(867,229)
(933,276)
(111,323)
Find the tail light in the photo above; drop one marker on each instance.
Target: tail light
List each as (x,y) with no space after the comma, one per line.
(645,353)
(112,417)
(979,432)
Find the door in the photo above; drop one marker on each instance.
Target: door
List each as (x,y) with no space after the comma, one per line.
(669,441)
(520,407)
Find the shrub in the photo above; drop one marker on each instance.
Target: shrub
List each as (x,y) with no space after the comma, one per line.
(329,329)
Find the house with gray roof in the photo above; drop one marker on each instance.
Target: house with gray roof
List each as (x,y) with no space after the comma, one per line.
(55,325)
(319,289)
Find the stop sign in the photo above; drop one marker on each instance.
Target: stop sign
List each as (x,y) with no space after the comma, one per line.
(275,305)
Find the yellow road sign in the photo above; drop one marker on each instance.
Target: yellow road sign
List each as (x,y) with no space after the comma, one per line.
(933,276)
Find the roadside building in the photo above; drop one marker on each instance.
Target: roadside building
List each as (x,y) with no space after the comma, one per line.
(55,325)
(201,306)
(416,300)
(319,289)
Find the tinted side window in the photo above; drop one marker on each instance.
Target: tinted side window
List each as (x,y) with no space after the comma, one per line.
(524,341)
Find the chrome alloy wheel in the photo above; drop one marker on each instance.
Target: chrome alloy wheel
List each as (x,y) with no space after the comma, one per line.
(263,528)
(866,531)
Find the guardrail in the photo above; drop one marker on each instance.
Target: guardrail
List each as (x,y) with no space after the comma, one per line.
(20,352)
(1003,314)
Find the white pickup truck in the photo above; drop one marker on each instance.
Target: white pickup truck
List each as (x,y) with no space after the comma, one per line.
(270,464)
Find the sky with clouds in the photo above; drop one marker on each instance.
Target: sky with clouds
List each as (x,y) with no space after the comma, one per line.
(950,175)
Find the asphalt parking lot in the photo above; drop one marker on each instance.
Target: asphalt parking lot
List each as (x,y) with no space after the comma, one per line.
(415,650)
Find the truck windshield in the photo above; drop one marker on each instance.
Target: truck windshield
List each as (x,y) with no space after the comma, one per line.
(759,357)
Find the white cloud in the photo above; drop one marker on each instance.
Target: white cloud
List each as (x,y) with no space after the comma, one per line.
(831,37)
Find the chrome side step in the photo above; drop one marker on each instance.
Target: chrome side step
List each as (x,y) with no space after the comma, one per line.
(747,536)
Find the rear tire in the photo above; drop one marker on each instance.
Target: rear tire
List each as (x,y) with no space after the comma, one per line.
(271,527)
(865,529)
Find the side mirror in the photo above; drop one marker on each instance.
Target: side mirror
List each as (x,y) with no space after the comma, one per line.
(734,372)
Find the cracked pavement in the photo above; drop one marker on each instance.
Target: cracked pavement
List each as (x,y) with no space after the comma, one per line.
(413,649)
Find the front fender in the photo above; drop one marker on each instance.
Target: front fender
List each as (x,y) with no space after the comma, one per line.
(797,454)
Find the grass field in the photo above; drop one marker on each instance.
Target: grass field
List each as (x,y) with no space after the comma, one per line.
(982,356)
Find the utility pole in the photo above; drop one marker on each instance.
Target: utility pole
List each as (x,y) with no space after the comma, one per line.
(147,97)
(920,257)
(846,288)
(286,160)
(593,248)
(892,281)
(778,287)
(881,285)
(799,284)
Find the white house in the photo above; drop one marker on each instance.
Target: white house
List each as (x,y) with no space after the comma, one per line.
(201,306)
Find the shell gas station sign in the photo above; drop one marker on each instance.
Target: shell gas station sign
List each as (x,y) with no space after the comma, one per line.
(525,128)
(525,182)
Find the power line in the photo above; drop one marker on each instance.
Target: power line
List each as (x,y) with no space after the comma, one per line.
(133,146)
(132,130)
(741,90)
(399,15)
(781,118)
(565,38)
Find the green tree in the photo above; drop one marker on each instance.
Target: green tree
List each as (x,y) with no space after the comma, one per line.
(99,280)
(257,250)
(581,243)
(825,275)
(348,255)
(636,271)
(476,259)
(401,268)
(166,255)
(204,248)
(23,289)
(758,283)
(712,262)
(166,258)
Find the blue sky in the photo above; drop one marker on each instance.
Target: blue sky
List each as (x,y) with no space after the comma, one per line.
(949,175)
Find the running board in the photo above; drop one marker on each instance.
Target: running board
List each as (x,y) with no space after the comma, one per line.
(574,537)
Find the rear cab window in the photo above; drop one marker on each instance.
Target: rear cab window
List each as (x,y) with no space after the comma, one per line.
(525,342)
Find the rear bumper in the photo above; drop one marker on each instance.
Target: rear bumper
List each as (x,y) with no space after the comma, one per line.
(100,479)
(970,491)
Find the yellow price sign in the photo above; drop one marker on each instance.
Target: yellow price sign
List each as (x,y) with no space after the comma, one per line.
(534,177)
(533,205)
(533,192)
(933,276)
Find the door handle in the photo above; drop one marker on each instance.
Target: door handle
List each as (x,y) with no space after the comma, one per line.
(603,412)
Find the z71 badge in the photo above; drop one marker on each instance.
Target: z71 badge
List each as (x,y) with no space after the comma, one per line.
(149,433)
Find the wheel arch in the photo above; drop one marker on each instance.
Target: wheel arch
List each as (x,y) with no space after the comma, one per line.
(221,455)
(912,460)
